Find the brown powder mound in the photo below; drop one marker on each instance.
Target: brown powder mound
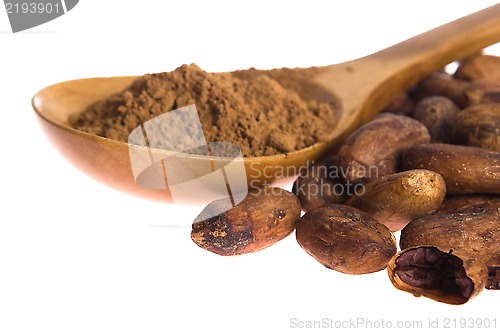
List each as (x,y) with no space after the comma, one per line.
(256,112)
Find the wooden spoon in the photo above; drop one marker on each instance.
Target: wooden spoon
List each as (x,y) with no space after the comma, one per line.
(363,87)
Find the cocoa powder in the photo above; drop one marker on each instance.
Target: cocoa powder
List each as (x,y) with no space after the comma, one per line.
(264,113)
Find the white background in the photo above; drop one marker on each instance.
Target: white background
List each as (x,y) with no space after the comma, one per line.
(78,256)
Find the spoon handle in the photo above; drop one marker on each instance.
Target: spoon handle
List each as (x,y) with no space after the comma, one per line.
(377,78)
(434,49)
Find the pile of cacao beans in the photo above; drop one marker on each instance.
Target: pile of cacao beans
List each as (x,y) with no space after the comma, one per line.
(428,165)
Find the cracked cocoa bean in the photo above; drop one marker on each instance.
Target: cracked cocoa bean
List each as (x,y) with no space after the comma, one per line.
(446,256)
(430,272)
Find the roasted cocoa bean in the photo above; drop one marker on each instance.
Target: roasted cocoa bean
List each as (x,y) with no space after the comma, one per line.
(396,199)
(482,67)
(465,169)
(479,126)
(374,149)
(438,115)
(402,104)
(345,239)
(470,203)
(261,219)
(440,84)
(320,184)
(481,92)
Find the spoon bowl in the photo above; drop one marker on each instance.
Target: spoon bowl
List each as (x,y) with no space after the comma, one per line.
(362,87)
